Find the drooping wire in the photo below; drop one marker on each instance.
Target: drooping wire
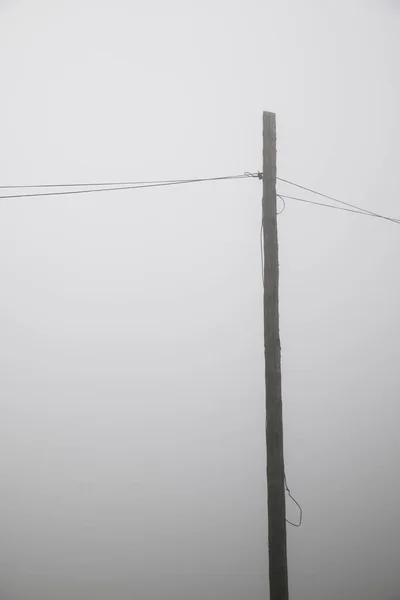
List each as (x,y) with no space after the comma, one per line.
(350,210)
(262,237)
(353,206)
(118,187)
(286,485)
(262,250)
(299,507)
(284,204)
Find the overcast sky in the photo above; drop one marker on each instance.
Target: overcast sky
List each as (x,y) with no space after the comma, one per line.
(132,443)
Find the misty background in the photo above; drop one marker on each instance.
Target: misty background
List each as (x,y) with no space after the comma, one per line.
(132,409)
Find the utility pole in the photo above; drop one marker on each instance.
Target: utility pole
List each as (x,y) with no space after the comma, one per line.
(278,574)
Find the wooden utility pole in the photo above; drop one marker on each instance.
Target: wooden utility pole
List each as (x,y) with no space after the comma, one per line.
(278,575)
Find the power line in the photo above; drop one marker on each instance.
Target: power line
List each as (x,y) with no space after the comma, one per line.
(123,183)
(131,185)
(357,212)
(353,206)
(86,184)
(127,185)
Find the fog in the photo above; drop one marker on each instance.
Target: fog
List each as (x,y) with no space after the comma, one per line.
(132,402)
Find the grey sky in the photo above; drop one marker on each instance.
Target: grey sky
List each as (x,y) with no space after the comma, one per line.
(132,397)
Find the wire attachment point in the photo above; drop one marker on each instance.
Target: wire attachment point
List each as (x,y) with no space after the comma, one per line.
(258,174)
